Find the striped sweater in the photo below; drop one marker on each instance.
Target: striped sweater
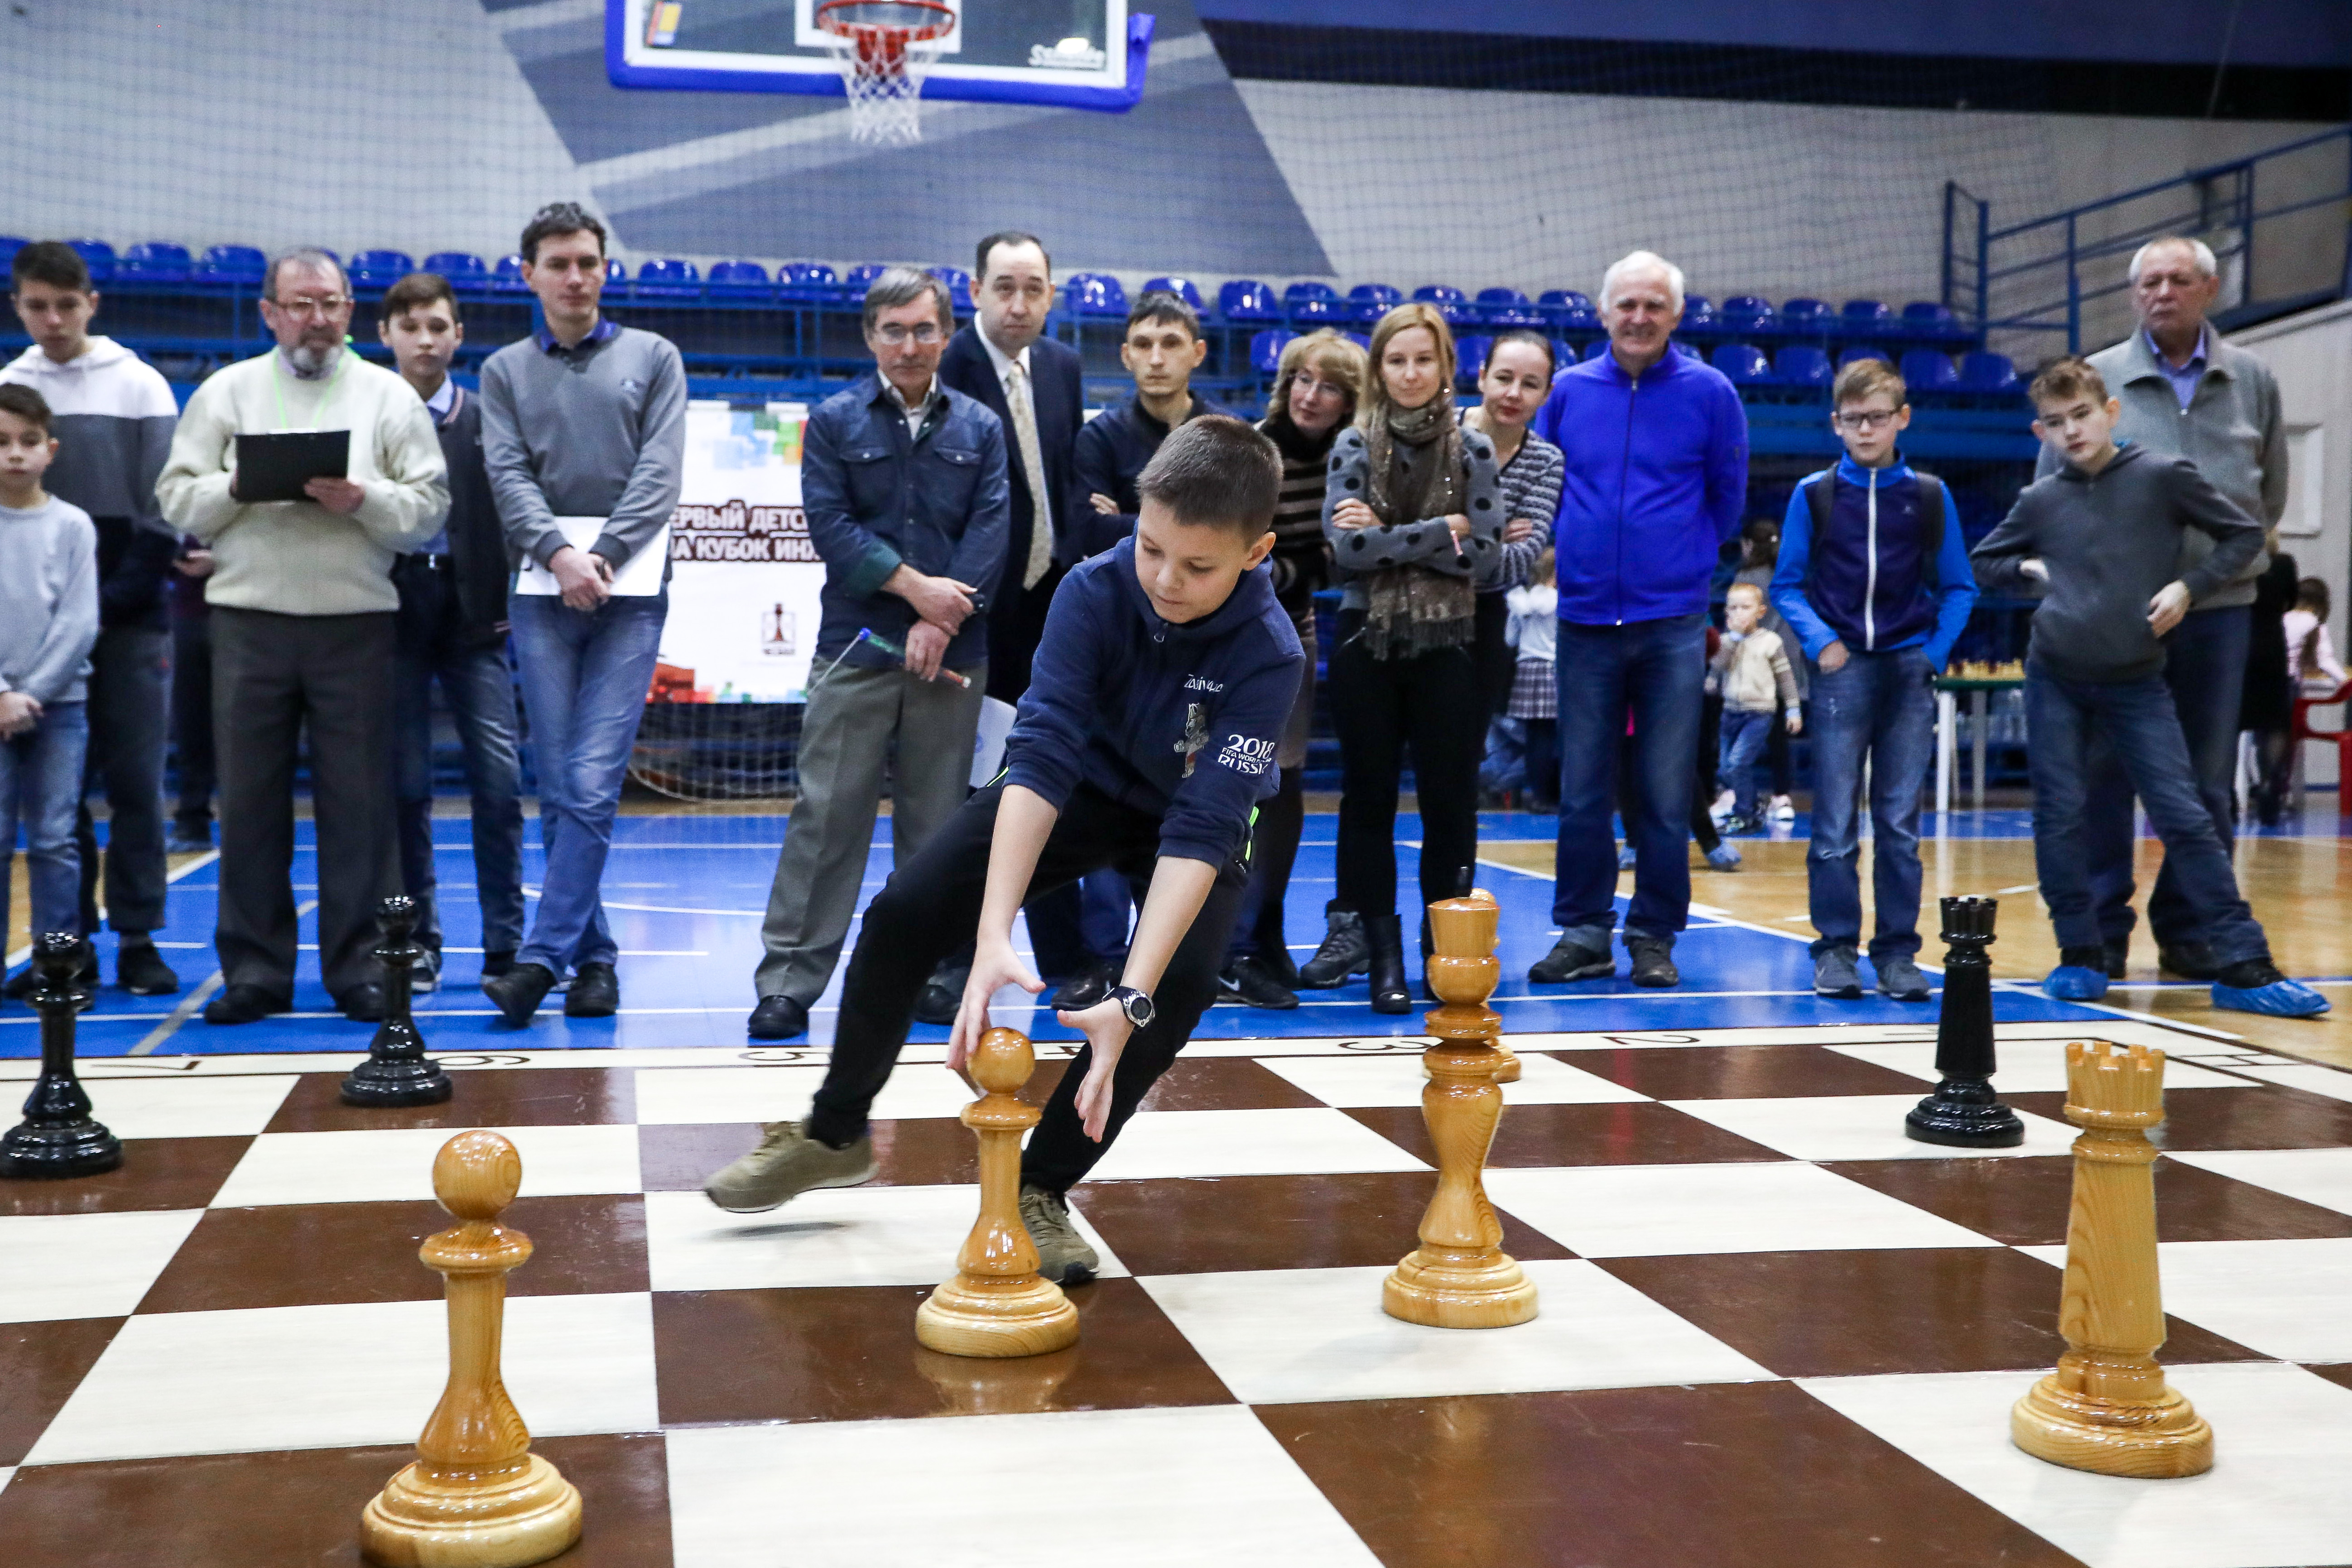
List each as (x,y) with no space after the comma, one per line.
(1301,560)
(1530,484)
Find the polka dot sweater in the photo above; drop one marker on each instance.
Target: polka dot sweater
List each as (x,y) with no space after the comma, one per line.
(1427,543)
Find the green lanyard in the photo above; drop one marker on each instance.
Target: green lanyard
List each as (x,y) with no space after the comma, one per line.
(277,384)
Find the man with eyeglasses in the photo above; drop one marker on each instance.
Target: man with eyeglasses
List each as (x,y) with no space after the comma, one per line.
(2186,393)
(302,605)
(905,485)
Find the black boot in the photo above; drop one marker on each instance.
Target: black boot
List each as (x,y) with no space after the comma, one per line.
(1384,936)
(1342,955)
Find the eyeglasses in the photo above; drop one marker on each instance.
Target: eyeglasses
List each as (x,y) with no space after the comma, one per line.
(304,305)
(1866,419)
(896,333)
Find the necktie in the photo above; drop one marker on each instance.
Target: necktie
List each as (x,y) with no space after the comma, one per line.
(1033,464)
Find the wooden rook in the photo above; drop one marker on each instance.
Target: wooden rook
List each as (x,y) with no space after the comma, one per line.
(58,1137)
(1460,1277)
(1963,1113)
(2108,1408)
(396,1072)
(477,1497)
(998,1304)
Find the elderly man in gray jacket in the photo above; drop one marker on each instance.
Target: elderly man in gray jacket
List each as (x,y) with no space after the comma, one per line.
(2185,392)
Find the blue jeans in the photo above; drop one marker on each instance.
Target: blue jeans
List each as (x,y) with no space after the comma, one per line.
(2065,719)
(2205,669)
(1658,669)
(1744,736)
(1881,706)
(40,785)
(482,707)
(584,677)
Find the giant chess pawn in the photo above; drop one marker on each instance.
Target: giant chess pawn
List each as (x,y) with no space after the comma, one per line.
(1963,1111)
(998,1304)
(1460,1277)
(58,1137)
(477,1497)
(396,1071)
(2108,1408)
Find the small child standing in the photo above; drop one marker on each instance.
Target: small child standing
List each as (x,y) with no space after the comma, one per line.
(2311,662)
(48,622)
(2100,539)
(1751,670)
(1535,701)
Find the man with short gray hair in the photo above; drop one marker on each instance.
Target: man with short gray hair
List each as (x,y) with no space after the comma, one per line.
(2184,392)
(904,481)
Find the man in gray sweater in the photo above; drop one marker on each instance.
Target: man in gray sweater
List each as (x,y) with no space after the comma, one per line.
(2101,541)
(583,429)
(2186,393)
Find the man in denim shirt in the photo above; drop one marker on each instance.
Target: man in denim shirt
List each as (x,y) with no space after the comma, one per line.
(905,485)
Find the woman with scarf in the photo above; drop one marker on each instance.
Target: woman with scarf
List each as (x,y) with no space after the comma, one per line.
(1414,519)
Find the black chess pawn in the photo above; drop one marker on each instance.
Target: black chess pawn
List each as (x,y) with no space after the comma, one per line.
(1963,1111)
(58,1137)
(396,1072)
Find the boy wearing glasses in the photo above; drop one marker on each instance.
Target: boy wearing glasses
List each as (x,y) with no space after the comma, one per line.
(2099,541)
(904,482)
(1873,579)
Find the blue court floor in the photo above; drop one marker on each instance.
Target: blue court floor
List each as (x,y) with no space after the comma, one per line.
(685,895)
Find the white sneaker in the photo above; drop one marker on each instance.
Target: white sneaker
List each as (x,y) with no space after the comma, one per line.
(1783,809)
(1722,807)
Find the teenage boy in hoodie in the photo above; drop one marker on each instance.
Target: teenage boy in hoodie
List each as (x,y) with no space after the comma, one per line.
(1873,581)
(2100,542)
(113,415)
(1144,742)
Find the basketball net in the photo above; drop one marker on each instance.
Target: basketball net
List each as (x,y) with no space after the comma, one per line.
(884,48)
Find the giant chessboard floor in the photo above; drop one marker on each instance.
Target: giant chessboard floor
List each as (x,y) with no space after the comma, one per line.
(1773,1332)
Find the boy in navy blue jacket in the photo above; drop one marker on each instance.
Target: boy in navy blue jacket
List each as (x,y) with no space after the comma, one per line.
(1144,744)
(1874,579)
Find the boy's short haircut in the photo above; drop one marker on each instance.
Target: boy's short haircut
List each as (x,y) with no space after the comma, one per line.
(1215,471)
(1866,378)
(26,404)
(1521,335)
(2066,378)
(1160,305)
(555,220)
(1754,588)
(49,261)
(415,291)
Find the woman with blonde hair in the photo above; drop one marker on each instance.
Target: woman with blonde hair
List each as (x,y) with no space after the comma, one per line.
(1315,389)
(1415,519)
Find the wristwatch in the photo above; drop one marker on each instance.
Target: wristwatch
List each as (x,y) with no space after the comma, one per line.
(1136,1004)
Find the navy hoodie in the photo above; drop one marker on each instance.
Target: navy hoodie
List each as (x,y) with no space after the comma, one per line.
(1177,721)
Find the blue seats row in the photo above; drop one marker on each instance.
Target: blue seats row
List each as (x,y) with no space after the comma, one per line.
(1924,370)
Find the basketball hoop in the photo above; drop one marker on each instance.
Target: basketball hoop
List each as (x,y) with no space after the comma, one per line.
(884,47)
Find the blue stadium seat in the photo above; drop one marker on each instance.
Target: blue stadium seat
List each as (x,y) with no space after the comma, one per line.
(1359,339)
(1368,302)
(232,264)
(1451,302)
(463,269)
(1311,302)
(1743,363)
(1746,313)
(1981,372)
(857,279)
(1184,288)
(1698,316)
(806,281)
(1866,318)
(1506,308)
(507,277)
(1929,370)
(746,280)
(96,255)
(1247,299)
(1563,354)
(1807,315)
(155,261)
(959,284)
(380,268)
(1689,351)
(1859,352)
(10,244)
(1265,349)
(1803,365)
(616,272)
(1470,352)
(1927,319)
(1095,294)
(670,279)
(1595,349)
(1567,309)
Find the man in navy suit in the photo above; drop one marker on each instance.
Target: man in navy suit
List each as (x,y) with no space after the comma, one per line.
(1003,361)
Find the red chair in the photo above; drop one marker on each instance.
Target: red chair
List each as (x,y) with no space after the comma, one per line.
(2342,737)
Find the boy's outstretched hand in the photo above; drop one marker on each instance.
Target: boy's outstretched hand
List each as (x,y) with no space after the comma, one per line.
(994,966)
(1106,1030)
(2164,611)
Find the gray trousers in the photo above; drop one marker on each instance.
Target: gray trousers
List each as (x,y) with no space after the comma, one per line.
(129,699)
(854,717)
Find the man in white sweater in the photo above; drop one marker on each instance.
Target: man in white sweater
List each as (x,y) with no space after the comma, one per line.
(302,607)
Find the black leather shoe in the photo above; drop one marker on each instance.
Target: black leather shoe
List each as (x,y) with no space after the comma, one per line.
(244,1005)
(140,969)
(2188,959)
(1086,990)
(943,994)
(1248,982)
(497,962)
(1571,960)
(596,992)
(777,1018)
(1384,937)
(364,1003)
(519,992)
(1344,953)
(1654,961)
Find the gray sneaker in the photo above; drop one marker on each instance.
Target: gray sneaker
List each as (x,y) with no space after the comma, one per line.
(787,1163)
(1834,974)
(1900,978)
(1063,1255)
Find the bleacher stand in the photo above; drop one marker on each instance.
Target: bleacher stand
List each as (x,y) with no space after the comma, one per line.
(1811,317)
(959,284)
(670,279)
(507,277)
(465,272)
(1568,309)
(807,280)
(1984,371)
(1451,302)
(1311,302)
(1368,302)
(1470,352)
(1265,350)
(1506,308)
(1744,363)
(1184,288)
(1247,299)
(1086,294)
(1929,370)
(154,261)
(1802,364)
(1866,317)
(96,255)
(1748,314)
(380,268)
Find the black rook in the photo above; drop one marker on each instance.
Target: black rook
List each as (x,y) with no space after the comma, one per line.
(1963,1111)
(58,1137)
(396,1072)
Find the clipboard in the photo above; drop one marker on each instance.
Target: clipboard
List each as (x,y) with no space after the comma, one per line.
(640,579)
(275,468)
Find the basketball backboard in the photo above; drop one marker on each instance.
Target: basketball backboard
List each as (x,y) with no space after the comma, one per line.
(1076,54)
